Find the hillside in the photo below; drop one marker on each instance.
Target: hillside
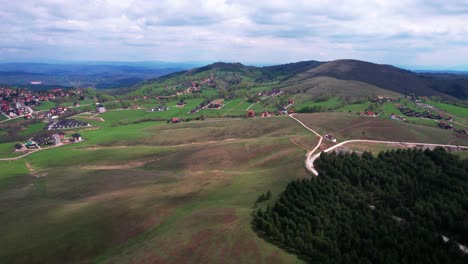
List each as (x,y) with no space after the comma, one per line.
(384,76)
(340,77)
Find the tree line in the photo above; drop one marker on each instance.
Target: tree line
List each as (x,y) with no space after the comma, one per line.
(392,208)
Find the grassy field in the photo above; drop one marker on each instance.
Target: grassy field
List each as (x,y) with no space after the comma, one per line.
(150,192)
(354,108)
(33,128)
(347,126)
(331,103)
(6,150)
(45,106)
(451,109)
(341,88)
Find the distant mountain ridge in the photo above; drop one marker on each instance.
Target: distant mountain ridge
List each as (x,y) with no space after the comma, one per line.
(377,75)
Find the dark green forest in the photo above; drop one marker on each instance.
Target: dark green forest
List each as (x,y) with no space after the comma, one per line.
(393,208)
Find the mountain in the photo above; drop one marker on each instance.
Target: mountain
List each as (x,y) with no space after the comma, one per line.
(94,74)
(383,76)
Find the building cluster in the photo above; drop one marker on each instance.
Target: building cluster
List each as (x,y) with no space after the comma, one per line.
(66,124)
(368,114)
(444,125)
(48,140)
(216,104)
(199,107)
(397,117)
(15,102)
(384,99)
(159,109)
(271,93)
(426,114)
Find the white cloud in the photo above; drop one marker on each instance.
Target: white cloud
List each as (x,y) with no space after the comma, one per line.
(385,31)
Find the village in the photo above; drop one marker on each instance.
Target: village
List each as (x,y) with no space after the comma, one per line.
(18,102)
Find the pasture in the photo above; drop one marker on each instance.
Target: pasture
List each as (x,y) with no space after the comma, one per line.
(346,126)
(150,192)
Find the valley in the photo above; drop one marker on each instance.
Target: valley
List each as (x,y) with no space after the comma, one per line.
(170,171)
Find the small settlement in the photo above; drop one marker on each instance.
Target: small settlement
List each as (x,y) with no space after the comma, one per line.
(39,142)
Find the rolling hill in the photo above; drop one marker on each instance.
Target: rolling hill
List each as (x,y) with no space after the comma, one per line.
(340,77)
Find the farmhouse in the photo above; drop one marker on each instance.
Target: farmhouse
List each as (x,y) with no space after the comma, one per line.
(368,114)
(396,117)
(330,138)
(175,120)
(76,137)
(250,114)
(31,145)
(100,109)
(444,125)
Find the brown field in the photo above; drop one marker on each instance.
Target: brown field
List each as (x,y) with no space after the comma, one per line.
(346,127)
(168,201)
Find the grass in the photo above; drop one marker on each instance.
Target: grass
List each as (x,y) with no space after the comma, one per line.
(451,109)
(128,188)
(10,171)
(354,108)
(6,150)
(33,128)
(2,117)
(170,193)
(346,126)
(45,106)
(331,103)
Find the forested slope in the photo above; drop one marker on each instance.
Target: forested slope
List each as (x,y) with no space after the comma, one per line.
(387,209)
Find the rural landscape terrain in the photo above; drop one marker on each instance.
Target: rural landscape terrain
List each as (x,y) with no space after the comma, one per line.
(343,161)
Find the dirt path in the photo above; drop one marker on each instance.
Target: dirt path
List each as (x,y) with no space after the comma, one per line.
(311,159)
(310,166)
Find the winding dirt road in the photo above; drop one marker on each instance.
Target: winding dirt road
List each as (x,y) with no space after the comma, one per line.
(311,159)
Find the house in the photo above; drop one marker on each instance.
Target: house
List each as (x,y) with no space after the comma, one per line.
(18,146)
(76,137)
(31,145)
(265,114)
(56,139)
(396,117)
(444,125)
(290,101)
(250,114)
(100,109)
(76,104)
(368,114)
(61,135)
(175,120)
(330,137)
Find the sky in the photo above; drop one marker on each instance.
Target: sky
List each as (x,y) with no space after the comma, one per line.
(410,32)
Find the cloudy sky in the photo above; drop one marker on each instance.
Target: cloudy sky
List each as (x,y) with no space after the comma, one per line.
(410,32)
